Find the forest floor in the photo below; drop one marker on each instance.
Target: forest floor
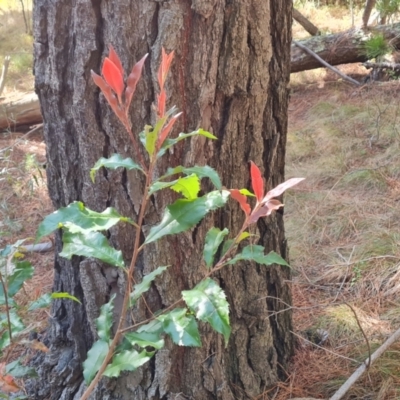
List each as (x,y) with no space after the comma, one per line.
(342,223)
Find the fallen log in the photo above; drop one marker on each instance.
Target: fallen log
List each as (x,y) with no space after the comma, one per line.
(340,48)
(20,110)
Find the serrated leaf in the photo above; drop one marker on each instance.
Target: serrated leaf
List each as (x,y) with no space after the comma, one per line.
(227,245)
(104,321)
(278,190)
(241,199)
(17,370)
(208,301)
(213,240)
(182,328)
(144,286)
(201,171)
(42,302)
(145,339)
(256,253)
(64,295)
(114,162)
(113,77)
(95,357)
(90,244)
(185,214)
(16,326)
(171,142)
(189,186)
(76,213)
(154,326)
(22,272)
(128,360)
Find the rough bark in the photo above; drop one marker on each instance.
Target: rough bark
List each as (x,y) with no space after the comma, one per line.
(230,76)
(369,5)
(21,110)
(305,23)
(341,48)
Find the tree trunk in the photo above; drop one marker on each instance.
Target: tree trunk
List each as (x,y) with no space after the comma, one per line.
(230,76)
(305,23)
(369,5)
(340,48)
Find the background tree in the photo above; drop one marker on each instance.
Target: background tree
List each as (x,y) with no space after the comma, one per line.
(230,76)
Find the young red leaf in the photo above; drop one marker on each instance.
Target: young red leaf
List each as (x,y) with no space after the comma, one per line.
(235,193)
(113,56)
(161,103)
(256,181)
(277,191)
(166,60)
(133,79)
(109,95)
(113,77)
(165,131)
(265,210)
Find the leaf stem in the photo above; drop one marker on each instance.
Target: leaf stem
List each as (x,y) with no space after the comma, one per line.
(7,308)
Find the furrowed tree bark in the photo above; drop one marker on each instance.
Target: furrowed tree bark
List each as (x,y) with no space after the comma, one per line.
(305,23)
(341,48)
(230,76)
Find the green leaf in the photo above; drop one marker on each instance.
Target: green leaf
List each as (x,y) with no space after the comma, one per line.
(185,214)
(144,286)
(144,339)
(22,272)
(95,357)
(213,240)
(171,142)
(154,326)
(16,326)
(208,301)
(114,162)
(243,235)
(246,192)
(104,321)
(90,244)
(189,186)
(42,302)
(181,327)
(227,245)
(64,295)
(150,136)
(17,370)
(201,171)
(127,360)
(256,253)
(76,213)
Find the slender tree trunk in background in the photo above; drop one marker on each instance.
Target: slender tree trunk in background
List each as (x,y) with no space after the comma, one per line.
(305,23)
(369,5)
(230,76)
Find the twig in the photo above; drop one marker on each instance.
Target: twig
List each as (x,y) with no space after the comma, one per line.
(323,62)
(7,308)
(362,368)
(4,73)
(36,128)
(323,348)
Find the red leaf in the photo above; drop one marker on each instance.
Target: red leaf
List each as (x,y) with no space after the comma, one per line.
(133,79)
(166,60)
(113,56)
(109,95)
(167,128)
(242,199)
(265,210)
(277,191)
(257,181)
(113,77)
(161,103)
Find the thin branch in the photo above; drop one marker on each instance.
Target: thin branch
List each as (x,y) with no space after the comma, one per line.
(381,65)
(362,368)
(324,63)
(7,308)
(4,73)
